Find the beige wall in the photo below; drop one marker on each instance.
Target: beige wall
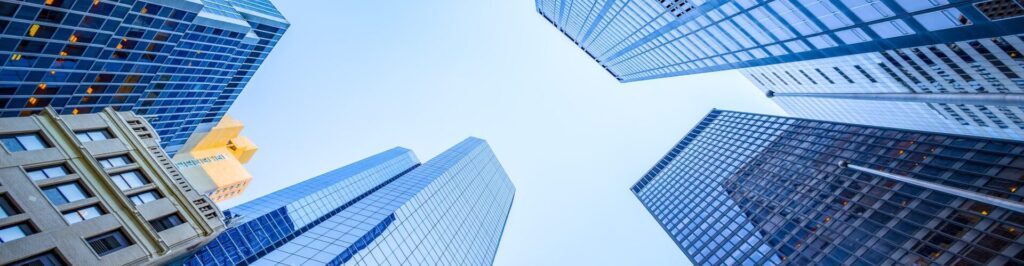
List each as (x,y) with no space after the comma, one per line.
(132,137)
(213,160)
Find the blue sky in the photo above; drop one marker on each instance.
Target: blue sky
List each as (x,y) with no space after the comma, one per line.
(353,78)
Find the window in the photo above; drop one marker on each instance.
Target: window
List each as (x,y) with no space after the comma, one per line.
(108,242)
(65,193)
(48,172)
(83,214)
(166,222)
(142,198)
(7,208)
(23,142)
(129,180)
(45,259)
(92,135)
(943,19)
(116,161)
(16,231)
(892,28)
(1000,9)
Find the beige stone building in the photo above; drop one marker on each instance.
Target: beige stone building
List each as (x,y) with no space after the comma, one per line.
(213,160)
(95,189)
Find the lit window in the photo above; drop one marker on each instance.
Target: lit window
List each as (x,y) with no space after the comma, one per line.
(83,214)
(64,193)
(108,242)
(116,161)
(92,135)
(16,231)
(23,142)
(32,30)
(48,172)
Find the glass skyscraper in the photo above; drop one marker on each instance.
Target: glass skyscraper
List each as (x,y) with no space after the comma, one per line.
(647,39)
(972,87)
(751,189)
(180,64)
(387,209)
(936,65)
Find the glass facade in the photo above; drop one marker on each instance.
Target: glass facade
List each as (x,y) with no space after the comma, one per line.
(177,63)
(386,209)
(648,39)
(750,189)
(990,66)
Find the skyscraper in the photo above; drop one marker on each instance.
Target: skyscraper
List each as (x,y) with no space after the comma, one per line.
(750,189)
(177,63)
(972,87)
(95,189)
(647,39)
(936,65)
(213,160)
(386,209)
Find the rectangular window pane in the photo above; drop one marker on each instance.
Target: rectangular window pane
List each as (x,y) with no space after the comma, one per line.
(144,197)
(72,192)
(6,207)
(82,214)
(12,144)
(93,135)
(943,19)
(83,137)
(45,259)
(98,135)
(23,142)
(31,142)
(48,172)
(65,193)
(54,195)
(56,171)
(129,180)
(108,243)
(10,233)
(166,222)
(115,161)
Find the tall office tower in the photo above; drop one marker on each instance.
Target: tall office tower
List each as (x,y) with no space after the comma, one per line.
(972,87)
(648,39)
(95,189)
(384,210)
(177,63)
(750,189)
(212,160)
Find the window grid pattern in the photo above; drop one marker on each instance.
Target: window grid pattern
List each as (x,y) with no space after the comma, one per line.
(638,40)
(156,59)
(264,224)
(748,189)
(991,65)
(395,200)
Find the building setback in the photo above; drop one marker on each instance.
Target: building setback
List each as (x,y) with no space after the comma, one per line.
(179,64)
(386,209)
(751,189)
(95,189)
